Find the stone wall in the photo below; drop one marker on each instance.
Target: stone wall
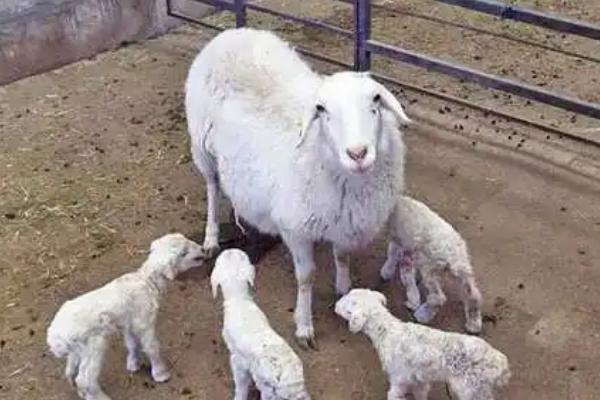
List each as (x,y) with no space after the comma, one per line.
(39,35)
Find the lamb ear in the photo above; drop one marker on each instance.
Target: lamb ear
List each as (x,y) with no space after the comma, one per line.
(215,289)
(389,101)
(169,272)
(381,298)
(356,321)
(310,116)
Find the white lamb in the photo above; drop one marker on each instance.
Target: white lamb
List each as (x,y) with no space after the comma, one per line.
(414,356)
(258,353)
(129,304)
(307,157)
(420,239)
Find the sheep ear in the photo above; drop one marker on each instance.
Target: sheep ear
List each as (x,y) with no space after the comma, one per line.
(389,101)
(309,118)
(357,321)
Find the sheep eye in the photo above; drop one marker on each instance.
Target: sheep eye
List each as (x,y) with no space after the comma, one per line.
(320,108)
(377,98)
(184,253)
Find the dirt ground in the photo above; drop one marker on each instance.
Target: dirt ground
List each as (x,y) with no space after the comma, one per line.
(94,164)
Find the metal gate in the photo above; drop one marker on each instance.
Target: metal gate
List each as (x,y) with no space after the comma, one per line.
(364,47)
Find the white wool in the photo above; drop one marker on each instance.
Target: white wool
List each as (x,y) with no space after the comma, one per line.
(128,304)
(258,353)
(414,356)
(289,169)
(420,239)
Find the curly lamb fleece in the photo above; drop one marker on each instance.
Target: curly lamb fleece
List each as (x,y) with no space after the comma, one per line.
(308,157)
(258,353)
(414,356)
(129,304)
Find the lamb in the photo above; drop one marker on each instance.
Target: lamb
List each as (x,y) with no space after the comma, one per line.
(414,356)
(258,353)
(307,157)
(129,304)
(422,240)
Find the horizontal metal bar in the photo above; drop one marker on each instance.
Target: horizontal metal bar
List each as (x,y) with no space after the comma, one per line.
(462,26)
(528,16)
(172,13)
(485,79)
(305,21)
(486,109)
(321,57)
(227,5)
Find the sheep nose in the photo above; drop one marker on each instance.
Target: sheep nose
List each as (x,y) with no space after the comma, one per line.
(357,154)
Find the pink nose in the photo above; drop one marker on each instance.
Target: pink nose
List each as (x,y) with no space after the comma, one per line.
(357,154)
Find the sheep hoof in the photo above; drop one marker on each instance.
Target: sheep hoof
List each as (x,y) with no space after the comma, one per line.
(309,343)
(423,314)
(211,251)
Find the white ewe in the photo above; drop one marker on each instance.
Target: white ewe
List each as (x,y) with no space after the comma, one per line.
(128,304)
(414,356)
(422,240)
(308,157)
(258,353)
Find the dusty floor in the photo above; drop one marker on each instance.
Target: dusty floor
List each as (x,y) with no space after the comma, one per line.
(94,164)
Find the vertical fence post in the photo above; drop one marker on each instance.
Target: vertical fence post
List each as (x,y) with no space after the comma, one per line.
(362,33)
(240,13)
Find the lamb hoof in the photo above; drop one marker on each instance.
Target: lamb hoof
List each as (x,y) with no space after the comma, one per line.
(473,327)
(411,306)
(99,395)
(423,314)
(161,376)
(133,365)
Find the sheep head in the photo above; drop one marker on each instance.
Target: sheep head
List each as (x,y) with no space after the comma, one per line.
(349,112)
(173,253)
(357,305)
(233,271)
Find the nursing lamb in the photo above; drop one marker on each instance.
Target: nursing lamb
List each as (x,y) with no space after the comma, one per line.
(307,157)
(421,240)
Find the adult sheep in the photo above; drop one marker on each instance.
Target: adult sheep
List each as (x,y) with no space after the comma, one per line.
(304,156)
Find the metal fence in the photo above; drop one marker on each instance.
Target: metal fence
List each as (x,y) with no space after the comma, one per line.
(364,47)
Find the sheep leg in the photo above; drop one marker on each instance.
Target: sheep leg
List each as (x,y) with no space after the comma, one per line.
(408,277)
(304,267)
(90,367)
(207,168)
(398,390)
(421,391)
(72,367)
(394,255)
(435,298)
(472,303)
(343,282)
(133,353)
(241,378)
(151,347)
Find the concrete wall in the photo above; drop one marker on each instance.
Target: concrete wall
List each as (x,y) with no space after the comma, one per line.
(39,35)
